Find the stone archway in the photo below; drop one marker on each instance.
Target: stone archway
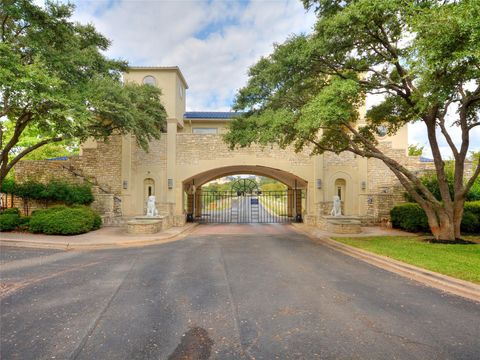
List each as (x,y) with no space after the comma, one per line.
(245,206)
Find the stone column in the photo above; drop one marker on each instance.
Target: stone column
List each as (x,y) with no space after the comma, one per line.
(298,205)
(198,203)
(290,202)
(171,161)
(190,202)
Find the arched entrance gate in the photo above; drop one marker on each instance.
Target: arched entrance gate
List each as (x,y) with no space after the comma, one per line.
(245,202)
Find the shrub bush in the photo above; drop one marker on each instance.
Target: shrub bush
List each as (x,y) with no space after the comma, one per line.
(10,211)
(9,221)
(409,217)
(473,207)
(62,220)
(470,222)
(68,193)
(55,190)
(97,220)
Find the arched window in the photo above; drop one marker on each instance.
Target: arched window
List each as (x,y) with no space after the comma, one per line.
(149,187)
(149,80)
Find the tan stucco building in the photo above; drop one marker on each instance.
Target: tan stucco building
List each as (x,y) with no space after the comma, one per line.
(192,153)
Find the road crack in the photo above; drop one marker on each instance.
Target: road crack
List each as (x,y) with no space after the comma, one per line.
(76,352)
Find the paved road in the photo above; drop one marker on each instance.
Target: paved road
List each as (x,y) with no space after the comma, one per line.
(261,292)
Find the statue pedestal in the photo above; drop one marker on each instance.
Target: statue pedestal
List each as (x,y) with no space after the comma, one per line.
(340,224)
(146,225)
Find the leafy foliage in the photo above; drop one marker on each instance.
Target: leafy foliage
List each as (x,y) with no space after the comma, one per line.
(470,222)
(415,150)
(411,217)
(423,57)
(430,181)
(62,220)
(56,85)
(55,190)
(9,222)
(473,207)
(10,211)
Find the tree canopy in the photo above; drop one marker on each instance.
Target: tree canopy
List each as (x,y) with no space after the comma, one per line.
(56,84)
(422,57)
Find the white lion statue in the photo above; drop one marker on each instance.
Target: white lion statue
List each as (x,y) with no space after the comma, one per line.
(151,209)
(337,206)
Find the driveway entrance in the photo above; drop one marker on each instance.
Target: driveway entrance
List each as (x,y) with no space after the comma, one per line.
(246,207)
(265,294)
(246,203)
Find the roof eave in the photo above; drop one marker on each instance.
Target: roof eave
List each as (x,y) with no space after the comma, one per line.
(175,68)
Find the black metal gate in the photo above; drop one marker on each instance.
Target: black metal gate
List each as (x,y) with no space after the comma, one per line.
(249,207)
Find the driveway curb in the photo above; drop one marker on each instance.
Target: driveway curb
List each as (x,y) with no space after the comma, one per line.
(442,282)
(98,245)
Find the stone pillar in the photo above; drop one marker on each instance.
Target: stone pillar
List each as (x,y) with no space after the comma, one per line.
(298,205)
(129,202)
(171,163)
(190,202)
(290,202)
(198,203)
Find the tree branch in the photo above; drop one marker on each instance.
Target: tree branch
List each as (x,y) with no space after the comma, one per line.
(470,182)
(29,150)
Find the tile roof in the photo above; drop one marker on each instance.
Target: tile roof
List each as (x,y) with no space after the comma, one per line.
(220,115)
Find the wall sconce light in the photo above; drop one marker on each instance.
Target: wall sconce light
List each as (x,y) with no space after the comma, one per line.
(370,200)
(319,183)
(364,185)
(125,184)
(170,183)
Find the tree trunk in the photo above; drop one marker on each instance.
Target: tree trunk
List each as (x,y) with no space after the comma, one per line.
(441,224)
(458,209)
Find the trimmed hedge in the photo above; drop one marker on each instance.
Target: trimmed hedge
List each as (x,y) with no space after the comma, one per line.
(62,220)
(10,211)
(470,222)
(9,221)
(411,217)
(473,207)
(55,190)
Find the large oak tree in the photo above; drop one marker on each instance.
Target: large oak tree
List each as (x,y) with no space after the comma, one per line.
(56,84)
(423,57)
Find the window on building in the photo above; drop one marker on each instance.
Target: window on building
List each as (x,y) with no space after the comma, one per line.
(149,80)
(180,91)
(204,130)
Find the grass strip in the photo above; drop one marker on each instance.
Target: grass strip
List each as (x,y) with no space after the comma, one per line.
(459,261)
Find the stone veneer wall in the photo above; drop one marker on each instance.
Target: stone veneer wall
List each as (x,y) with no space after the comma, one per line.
(156,154)
(191,148)
(384,190)
(100,166)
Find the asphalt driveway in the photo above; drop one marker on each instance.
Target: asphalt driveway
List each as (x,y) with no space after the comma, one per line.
(224,292)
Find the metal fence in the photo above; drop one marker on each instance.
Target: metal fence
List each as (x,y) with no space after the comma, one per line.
(248,207)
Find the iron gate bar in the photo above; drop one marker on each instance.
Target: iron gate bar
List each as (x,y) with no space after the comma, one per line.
(253,206)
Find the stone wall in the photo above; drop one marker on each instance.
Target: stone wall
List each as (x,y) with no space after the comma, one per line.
(191,148)
(155,156)
(343,159)
(100,167)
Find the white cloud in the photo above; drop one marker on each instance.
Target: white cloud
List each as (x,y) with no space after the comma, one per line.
(234,36)
(213,42)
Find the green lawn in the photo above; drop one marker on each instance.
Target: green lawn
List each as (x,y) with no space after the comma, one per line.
(460,261)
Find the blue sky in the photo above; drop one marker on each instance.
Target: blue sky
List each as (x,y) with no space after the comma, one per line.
(214,42)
